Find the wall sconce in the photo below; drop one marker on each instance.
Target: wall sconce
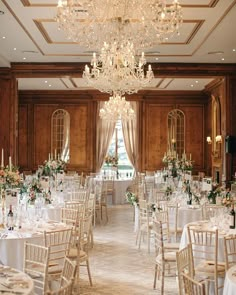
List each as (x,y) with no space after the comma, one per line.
(209,141)
(218,139)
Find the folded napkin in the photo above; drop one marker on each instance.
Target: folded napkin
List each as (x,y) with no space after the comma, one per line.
(17,281)
(4,268)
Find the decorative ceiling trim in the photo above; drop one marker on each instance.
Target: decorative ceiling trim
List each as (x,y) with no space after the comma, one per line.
(196,28)
(21,25)
(211,4)
(216,25)
(40,25)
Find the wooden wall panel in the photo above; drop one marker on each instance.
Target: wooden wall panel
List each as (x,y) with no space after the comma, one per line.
(42,133)
(5,94)
(154,142)
(78,138)
(23,147)
(194,134)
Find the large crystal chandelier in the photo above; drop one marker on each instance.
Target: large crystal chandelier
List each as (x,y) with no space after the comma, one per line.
(117,71)
(117,108)
(144,23)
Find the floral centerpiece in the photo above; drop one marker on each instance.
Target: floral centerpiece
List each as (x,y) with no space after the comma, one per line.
(111,160)
(51,167)
(9,178)
(35,189)
(185,165)
(131,198)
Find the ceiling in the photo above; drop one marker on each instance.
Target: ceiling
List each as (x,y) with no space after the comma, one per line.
(29,33)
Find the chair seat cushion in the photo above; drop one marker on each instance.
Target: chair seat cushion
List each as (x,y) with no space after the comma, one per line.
(168,256)
(171,246)
(209,267)
(73,253)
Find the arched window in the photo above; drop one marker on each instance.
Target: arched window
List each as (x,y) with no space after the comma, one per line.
(176,131)
(60,134)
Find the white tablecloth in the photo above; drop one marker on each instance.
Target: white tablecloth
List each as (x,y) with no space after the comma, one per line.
(17,280)
(230,282)
(188,214)
(120,186)
(12,242)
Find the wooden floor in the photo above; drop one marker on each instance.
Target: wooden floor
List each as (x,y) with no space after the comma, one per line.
(117,266)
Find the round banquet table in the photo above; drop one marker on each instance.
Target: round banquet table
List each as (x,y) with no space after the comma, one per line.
(120,186)
(188,214)
(12,242)
(17,281)
(230,282)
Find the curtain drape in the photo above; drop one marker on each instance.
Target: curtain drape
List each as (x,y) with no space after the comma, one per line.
(65,151)
(130,133)
(105,130)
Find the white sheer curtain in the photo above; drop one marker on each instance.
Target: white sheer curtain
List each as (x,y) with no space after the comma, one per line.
(130,133)
(65,150)
(105,130)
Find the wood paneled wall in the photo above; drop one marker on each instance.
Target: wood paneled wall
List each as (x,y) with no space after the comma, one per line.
(28,140)
(35,129)
(154,121)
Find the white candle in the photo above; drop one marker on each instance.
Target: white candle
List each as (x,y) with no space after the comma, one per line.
(2,161)
(49,158)
(190,157)
(55,154)
(10,165)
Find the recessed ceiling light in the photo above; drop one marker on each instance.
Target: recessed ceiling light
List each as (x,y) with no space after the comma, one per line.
(196,81)
(234,49)
(14,48)
(157,58)
(3,37)
(49,85)
(191,85)
(222,58)
(45,81)
(24,57)
(215,52)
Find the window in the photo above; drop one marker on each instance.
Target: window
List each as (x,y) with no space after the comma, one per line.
(60,134)
(176,131)
(117,147)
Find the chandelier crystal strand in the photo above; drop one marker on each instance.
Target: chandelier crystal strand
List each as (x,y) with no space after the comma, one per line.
(143,23)
(116,70)
(117,108)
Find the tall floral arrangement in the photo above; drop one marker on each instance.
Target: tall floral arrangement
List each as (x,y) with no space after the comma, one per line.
(9,178)
(53,166)
(111,160)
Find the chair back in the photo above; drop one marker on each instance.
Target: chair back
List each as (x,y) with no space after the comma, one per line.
(230,251)
(173,212)
(184,261)
(36,261)
(158,240)
(192,287)
(68,272)
(59,243)
(163,216)
(204,244)
(79,196)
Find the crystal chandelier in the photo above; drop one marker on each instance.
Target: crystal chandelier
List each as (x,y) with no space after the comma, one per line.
(144,23)
(116,70)
(117,108)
